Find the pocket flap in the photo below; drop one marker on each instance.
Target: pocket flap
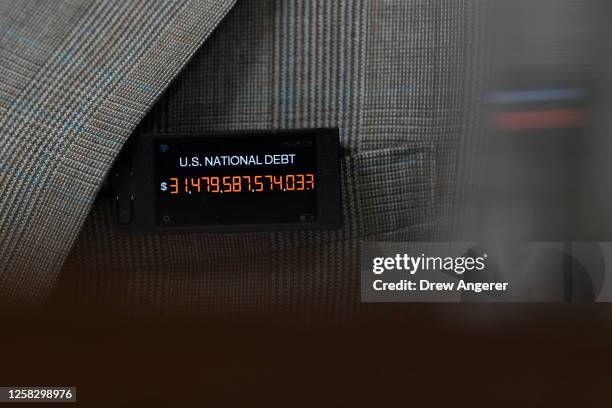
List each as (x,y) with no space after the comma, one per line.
(394,187)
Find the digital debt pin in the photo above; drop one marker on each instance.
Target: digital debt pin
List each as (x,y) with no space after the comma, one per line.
(229,182)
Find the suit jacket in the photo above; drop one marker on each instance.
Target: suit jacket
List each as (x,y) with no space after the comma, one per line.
(78,80)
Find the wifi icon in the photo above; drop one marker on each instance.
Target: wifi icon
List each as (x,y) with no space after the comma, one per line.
(164,148)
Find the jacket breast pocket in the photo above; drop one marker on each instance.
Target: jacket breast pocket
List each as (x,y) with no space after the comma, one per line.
(393,188)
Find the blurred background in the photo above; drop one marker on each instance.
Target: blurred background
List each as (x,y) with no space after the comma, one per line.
(545,151)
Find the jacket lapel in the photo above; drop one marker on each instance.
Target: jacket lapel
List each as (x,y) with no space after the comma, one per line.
(71,93)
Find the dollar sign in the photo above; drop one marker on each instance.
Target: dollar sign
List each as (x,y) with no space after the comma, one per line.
(164,186)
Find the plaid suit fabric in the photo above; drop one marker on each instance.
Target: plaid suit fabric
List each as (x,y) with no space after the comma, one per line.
(75,80)
(390,74)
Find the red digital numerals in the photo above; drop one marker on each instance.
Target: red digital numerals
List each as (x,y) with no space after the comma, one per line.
(240,184)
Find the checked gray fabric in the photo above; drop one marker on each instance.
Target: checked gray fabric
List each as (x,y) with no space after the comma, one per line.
(76,77)
(392,75)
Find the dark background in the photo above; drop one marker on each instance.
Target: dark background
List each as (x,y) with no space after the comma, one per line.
(409,355)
